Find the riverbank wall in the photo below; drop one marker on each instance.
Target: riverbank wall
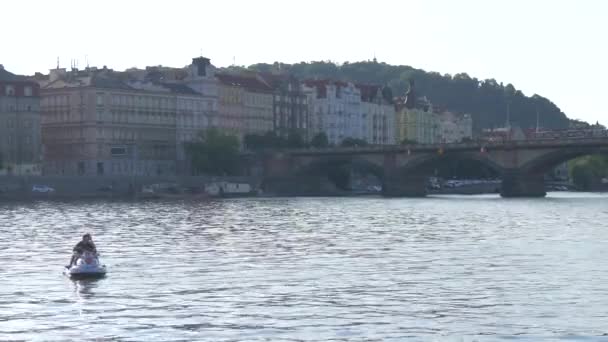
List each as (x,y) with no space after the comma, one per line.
(21,187)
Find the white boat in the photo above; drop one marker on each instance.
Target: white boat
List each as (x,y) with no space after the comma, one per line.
(87,265)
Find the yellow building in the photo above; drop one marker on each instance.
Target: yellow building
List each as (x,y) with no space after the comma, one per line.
(417,125)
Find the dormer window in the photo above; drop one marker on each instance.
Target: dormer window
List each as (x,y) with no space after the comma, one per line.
(9,90)
(27,91)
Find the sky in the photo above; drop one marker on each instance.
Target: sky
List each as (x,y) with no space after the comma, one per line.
(554,48)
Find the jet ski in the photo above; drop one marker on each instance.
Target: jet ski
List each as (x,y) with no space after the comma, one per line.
(86,266)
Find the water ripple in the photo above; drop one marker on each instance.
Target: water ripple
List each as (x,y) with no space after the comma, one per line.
(301,269)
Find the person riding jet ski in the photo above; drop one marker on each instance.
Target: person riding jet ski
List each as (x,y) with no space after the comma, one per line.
(84,245)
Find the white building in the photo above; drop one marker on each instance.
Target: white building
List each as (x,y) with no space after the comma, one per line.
(343,110)
(335,109)
(378,114)
(196,103)
(454,128)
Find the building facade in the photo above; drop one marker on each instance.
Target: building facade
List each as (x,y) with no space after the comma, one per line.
(245,105)
(20,147)
(417,126)
(201,78)
(289,105)
(378,113)
(100,122)
(455,128)
(196,90)
(335,109)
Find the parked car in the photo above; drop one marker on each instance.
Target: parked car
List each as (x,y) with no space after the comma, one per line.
(42,188)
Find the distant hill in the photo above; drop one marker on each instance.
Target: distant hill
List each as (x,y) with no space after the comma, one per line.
(485,100)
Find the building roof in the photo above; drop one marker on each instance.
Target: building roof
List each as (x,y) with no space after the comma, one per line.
(250,83)
(110,79)
(368,92)
(275,81)
(9,76)
(180,88)
(321,86)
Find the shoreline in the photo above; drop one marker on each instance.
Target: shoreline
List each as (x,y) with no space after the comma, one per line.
(200,198)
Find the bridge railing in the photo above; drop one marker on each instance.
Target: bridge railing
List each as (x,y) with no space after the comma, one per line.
(569,134)
(538,139)
(477,144)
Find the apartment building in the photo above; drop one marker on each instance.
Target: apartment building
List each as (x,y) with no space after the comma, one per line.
(20,151)
(245,105)
(290,105)
(101,122)
(335,109)
(378,114)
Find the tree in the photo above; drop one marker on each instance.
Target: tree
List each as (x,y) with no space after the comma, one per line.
(295,140)
(409,142)
(320,140)
(267,141)
(353,142)
(466,140)
(273,141)
(485,100)
(253,141)
(215,153)
(581,176)
(587,171)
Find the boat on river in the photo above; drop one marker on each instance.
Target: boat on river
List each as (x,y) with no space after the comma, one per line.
(87,265)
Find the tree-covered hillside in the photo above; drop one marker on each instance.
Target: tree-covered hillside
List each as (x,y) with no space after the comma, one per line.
(485,100)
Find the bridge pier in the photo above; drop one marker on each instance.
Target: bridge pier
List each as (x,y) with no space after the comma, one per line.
(404,186)
(518,184)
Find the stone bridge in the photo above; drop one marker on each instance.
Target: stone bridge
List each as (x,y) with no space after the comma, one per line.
(404,169)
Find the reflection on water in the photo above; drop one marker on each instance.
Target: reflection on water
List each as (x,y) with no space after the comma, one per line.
(309,269)
(85,287)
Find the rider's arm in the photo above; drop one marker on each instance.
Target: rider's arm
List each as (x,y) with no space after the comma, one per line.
(93,247)
(78,247)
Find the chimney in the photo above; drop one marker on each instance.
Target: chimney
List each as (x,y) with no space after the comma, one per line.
(55,74)
(1,67)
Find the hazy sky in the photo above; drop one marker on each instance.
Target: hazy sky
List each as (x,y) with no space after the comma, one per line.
(558,49)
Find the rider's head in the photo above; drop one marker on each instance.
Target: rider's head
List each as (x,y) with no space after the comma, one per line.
(87,237)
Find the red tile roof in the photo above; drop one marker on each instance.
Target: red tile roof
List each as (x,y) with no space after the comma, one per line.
(368,92)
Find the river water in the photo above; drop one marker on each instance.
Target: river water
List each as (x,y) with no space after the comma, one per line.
(310,269)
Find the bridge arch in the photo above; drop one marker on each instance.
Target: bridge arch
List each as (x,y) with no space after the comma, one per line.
(424,163)
(549,160)
(319,165)
(410,176)
(332,174)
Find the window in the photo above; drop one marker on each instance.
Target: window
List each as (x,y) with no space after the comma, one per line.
(100,99)
(27,91)
(100,168)
(118,151)
(9,90)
